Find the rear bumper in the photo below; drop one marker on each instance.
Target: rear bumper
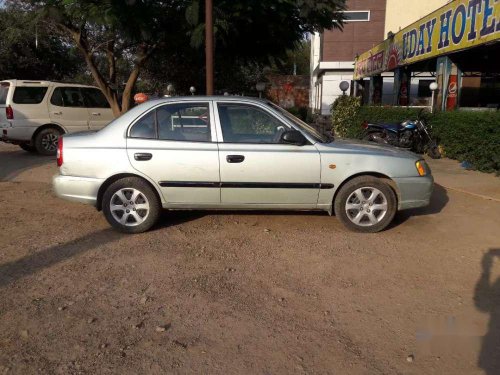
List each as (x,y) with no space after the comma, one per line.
(16,134)
(77,189)
(414,191)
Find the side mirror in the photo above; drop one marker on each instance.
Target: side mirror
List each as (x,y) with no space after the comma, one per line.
(293,137)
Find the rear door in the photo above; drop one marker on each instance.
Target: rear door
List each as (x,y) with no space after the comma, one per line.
(67,108)
(175,145)
(99,110)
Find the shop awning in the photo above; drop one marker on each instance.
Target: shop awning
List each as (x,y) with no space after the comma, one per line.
(457,26)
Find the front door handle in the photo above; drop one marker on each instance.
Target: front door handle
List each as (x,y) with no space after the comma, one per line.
(96,114)
(143,156)
(57,113)
(235,158)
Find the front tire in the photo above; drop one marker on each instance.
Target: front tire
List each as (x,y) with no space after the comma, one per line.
(46,141)
(366,204)
(130,205)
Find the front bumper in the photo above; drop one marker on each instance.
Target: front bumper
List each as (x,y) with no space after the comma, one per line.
(77,189)
(414,191)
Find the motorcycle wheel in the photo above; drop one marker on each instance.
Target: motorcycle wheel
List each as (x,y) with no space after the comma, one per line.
(377,137)
(433,151)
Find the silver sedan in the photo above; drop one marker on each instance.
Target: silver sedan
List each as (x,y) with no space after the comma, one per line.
(233,153)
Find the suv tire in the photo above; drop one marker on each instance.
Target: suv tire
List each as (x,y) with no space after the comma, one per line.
(366,204)
(46,141)
(130,205)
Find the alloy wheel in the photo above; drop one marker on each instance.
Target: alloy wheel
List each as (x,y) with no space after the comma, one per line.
(49,142)
(129,207)
(366,206)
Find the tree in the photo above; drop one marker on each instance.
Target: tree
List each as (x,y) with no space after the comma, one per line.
(110,33)
(250,37)
(117,38)
(29,51)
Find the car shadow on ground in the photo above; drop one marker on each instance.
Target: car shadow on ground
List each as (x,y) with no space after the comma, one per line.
(439,200)
(12,163)
(174,218)
(487,300)
(33,263)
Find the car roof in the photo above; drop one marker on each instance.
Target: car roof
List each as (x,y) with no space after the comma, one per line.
(198,98)
(22,82)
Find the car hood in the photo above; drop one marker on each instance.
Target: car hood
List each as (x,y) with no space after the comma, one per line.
(365,147)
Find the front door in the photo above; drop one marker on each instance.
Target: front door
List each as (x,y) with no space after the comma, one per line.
(98,108)
(67,108)
(175,145)
(256,168)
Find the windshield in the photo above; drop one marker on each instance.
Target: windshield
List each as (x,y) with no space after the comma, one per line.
(4,90)
(302,125)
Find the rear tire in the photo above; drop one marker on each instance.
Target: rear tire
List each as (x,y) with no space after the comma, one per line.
(377,137)
(366,204)
(433,151)
(130,205)
(46,141)
(27,147)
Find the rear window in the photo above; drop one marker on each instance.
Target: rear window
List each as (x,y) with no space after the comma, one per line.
(4,91)
(29,95)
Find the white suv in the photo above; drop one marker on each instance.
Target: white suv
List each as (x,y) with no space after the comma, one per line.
(33,114)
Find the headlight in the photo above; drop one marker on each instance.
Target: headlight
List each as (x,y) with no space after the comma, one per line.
(422,167)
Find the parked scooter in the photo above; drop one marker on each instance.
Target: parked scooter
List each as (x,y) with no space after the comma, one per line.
(413,135)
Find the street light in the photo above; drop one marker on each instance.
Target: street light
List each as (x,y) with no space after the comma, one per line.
(433,87)
(261,86)
(192,90)
(344,86)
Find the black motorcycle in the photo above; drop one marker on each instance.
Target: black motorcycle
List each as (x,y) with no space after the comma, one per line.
(413,135)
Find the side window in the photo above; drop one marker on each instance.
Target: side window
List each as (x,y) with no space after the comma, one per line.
(29,95)
(94,98)
(145,127)
(67,97)
(56,98)
(248,124)
(184,122)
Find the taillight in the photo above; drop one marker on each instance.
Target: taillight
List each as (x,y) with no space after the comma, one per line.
(59,151)
(364,124)
(9,113)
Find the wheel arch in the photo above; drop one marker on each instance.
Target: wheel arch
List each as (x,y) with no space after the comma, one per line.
(46,126)
(119,176)
(382,176)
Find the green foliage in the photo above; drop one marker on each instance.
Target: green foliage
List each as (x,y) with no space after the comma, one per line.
(472,136)
(344,109)
(22,58)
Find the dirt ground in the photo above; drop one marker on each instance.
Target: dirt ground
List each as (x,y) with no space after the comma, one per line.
(244,293)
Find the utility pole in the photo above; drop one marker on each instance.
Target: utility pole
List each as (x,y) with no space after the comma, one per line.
(209,46)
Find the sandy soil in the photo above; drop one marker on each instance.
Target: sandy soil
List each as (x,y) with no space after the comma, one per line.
(250,293)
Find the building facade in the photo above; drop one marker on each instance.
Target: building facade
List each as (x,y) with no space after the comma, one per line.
(333,52)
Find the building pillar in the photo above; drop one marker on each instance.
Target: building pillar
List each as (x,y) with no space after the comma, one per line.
(376,84)
(449,84)
(402,85)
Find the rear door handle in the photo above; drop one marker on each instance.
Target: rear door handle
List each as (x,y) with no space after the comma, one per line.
(57,113)
(143,156)
(235,158)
